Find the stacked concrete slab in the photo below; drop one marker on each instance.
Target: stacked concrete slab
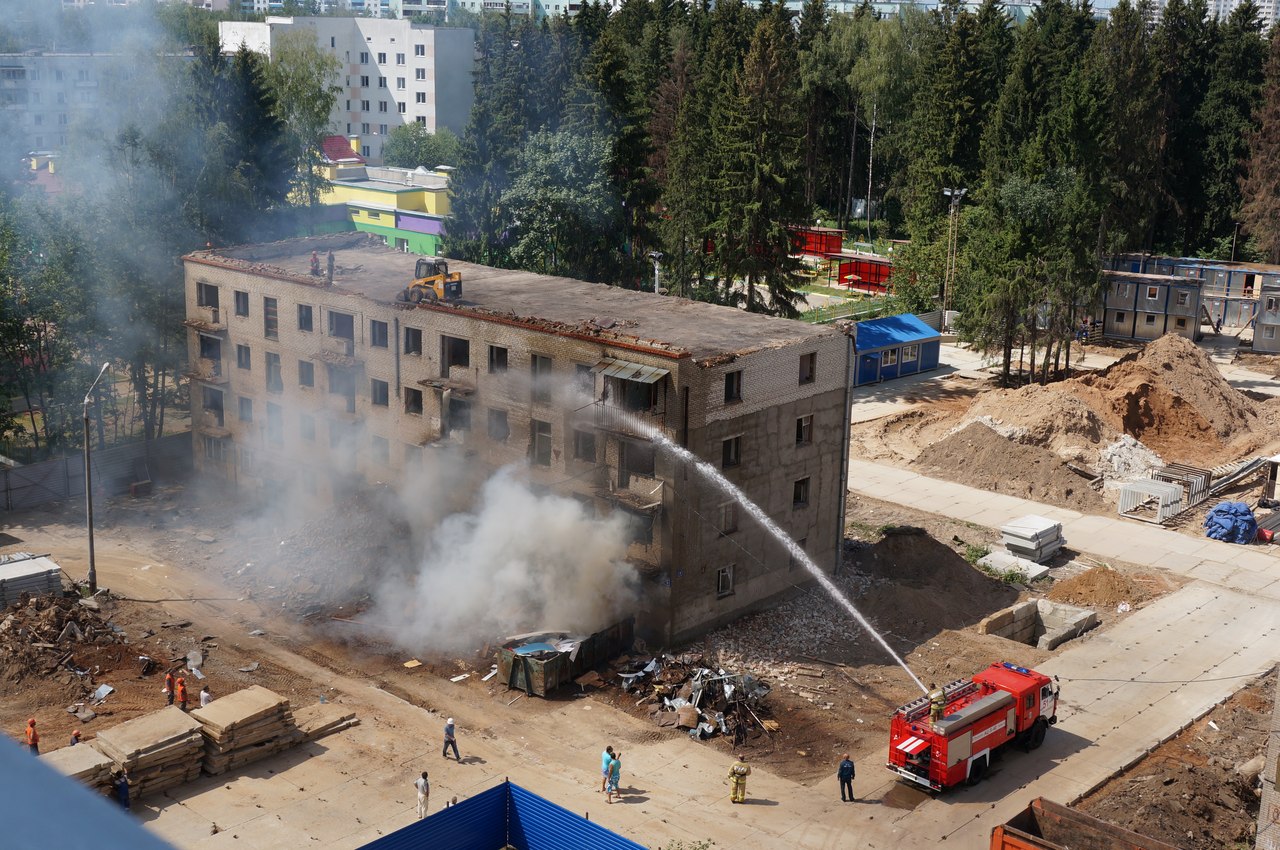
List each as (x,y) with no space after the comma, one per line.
(316,721)
(1039,622)
(28,574)
(1033,537)
(160,750)
(243,727)
(84,763)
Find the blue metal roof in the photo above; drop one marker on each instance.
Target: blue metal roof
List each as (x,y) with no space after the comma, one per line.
(504,816)
(892,331)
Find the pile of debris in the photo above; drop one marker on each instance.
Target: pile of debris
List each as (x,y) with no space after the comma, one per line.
(160,750)
(39,634)
(243,727)
(687,695)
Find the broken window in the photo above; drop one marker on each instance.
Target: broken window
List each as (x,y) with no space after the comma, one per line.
(800,493)
(211,349)
(635,458)
(454,352)
(377,333)
(304,317)
(206,295)
(540,371)
(270,319)
(412,401)
(731,452)
(641,527)
(540,442)
(379,392)
(242,303)
(246,409)
(212,402)
(1273,304)
(733,386)
(804,430)
(635,396)
(342,325)
(497,360)
(275,424)
(808,367)
(412,341)
(243,356)
(306,373)
(498,428)
(584,379)
(584,445)
(275,381)
(724,581)
(459,414)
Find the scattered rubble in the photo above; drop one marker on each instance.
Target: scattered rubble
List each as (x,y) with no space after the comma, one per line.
(1126,458)
(705,702)
(40,634)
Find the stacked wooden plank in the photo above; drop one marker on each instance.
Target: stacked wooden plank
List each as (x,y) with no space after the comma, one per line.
(84,763)
(323,718)
(243,727)
(1033,537)
(160,750)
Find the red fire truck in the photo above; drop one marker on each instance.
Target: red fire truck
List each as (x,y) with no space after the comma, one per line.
(1002,705)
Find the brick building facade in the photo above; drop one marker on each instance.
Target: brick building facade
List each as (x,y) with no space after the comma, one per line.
(340,383)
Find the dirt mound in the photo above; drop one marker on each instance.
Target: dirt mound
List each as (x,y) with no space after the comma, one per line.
(1101,587)
(1169,395)
(920,586)
(979,457)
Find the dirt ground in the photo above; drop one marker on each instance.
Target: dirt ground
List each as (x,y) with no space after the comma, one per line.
(1191,792)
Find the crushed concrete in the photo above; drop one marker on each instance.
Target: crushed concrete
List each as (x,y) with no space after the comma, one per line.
(1126,459)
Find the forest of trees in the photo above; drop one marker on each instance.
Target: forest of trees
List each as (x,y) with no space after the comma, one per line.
(703,132)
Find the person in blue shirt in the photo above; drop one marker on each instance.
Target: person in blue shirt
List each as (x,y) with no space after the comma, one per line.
(605,758)
(122,789)
(845,775)
(450,741)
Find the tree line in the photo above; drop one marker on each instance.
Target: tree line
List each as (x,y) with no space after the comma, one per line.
(703,131)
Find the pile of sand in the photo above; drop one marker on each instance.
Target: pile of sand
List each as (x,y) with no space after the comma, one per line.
(1169,395)
(979,457)
(920,586)
(1101,587)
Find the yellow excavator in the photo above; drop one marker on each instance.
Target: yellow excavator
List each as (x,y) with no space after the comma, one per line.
(432,282)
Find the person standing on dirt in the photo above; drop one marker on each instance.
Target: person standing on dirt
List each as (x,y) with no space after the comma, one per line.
(206,696)
(33,737)
(615,776)
(75,737)
(180,692)
(450,740)
(845,774)
(424,792)
(738,773)
(605,758)
(168,686)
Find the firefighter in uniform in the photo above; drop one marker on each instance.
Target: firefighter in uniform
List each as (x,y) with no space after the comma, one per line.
(937,703)
(738,773)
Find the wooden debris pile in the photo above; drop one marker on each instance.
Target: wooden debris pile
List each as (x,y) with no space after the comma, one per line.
(160,750)
(40,634)
(83,762)
(687,695)
(243,727)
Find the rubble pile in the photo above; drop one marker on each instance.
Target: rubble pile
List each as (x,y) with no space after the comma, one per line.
(243,727)
(40,634)
(160,750)
(687,695)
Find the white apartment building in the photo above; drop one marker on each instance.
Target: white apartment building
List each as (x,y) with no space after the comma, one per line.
(393,72)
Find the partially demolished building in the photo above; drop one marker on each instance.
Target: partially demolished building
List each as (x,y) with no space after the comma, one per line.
(302,368)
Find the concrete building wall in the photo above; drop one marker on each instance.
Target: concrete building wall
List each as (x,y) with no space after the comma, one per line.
(686,531)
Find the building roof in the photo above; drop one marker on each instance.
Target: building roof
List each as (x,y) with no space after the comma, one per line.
(1147,277)
(338,149)
(504,816)
(875,334)
(665,325)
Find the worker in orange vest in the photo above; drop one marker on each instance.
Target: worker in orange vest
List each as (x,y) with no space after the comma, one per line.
(180,692)
(33,737)
(168,686)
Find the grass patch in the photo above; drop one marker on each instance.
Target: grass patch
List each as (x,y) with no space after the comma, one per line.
(974,554)
(866,531)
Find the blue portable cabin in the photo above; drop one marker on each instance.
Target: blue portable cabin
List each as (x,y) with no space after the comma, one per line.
(892,347)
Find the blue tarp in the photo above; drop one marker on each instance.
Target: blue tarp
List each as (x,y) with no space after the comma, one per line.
(1232,522)
(504,816)
(890,332)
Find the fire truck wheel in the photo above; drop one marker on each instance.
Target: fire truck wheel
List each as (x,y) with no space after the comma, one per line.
(1037,734)
(976,771)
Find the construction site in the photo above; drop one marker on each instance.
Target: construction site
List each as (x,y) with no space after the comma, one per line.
(1023,528)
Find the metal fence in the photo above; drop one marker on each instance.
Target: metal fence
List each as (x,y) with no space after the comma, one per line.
(114,470)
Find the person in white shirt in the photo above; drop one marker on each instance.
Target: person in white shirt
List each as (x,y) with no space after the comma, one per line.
(205,696)
(424,791)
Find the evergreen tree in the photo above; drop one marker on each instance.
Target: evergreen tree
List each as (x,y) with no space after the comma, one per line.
(1260,212)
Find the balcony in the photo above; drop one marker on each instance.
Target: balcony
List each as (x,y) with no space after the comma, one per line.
(338,350)
(207,319)
(633,423)
(207,370)
(209,422)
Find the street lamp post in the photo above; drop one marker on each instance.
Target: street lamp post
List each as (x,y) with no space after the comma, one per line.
(656,256)
(953,232)
(88,480)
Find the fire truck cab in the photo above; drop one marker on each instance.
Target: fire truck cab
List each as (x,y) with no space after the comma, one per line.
(1002,705)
